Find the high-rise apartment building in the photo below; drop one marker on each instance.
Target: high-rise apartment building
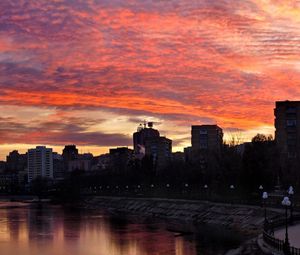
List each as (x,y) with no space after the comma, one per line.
(70,152)
(139,138)
(207,137)
(40,163)
(16,161)
(160,149)
(287,133)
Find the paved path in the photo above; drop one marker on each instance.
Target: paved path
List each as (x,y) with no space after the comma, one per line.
(294,235)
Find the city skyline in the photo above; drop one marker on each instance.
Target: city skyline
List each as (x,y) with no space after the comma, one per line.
(89,72)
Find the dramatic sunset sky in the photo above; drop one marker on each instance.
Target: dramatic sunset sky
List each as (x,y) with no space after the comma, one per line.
(89,71)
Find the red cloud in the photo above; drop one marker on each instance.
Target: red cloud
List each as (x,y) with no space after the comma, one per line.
(227,62)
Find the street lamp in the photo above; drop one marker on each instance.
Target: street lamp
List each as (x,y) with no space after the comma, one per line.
(232,189)
(286,203)
(291,194)
(206,190)
(261,188)
(264,197)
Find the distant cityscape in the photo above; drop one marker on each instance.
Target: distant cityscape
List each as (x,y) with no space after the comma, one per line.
(154,152)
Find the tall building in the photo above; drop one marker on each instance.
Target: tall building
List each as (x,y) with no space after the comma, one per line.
(58,166)
(207,137)
(16,161)
(287,129)
(160,149)
(83,162)
(70,152)
(40,163)
(139,138)
(120,158)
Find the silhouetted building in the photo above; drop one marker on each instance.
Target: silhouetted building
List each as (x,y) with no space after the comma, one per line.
(120,158)
(8,182)
(40,163)
(287,138)
(188,154)
(139,138)
(240,148)
(103,162)
(15,161)
(178,156)
(70,152)
(207,137)
(58,166)
(160,150)
(2,166)
(287,125)
(83,162)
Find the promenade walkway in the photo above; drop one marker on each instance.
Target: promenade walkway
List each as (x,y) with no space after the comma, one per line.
(294,235)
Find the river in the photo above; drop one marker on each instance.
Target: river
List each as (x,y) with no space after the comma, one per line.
(52,230)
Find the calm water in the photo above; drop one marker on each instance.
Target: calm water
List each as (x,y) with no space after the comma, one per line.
(51,230)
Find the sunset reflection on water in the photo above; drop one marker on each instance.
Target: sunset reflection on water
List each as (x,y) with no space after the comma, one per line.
(50,230)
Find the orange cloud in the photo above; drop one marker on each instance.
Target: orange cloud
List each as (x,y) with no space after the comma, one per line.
(184,63)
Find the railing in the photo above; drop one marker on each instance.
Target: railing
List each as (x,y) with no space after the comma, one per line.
(273,242)
(277,244)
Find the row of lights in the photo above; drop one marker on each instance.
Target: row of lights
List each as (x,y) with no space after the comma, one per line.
(287,203)
(152,186)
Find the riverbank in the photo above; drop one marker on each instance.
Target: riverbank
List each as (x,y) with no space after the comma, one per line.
(245,221)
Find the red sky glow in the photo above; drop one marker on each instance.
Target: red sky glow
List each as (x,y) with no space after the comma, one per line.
(89,71)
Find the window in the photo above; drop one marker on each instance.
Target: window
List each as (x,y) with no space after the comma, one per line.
(291,123)
(291,109)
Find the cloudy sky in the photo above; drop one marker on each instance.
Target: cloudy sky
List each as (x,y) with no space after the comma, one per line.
(89,71)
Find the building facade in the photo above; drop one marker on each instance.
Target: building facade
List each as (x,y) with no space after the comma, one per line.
(120,158)
(16,161)
(207,137)
(40,163)
(287,129)
(144,132)
(160,149)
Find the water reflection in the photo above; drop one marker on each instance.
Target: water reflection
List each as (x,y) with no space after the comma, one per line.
(50,230)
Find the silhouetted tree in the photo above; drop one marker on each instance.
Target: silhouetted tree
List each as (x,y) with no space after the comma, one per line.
(258,163)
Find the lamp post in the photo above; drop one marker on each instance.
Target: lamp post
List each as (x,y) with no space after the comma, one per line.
(261,188)
(186,189)
(291,193)
(286,248)
(206,191)
(232,190)
(264,198)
